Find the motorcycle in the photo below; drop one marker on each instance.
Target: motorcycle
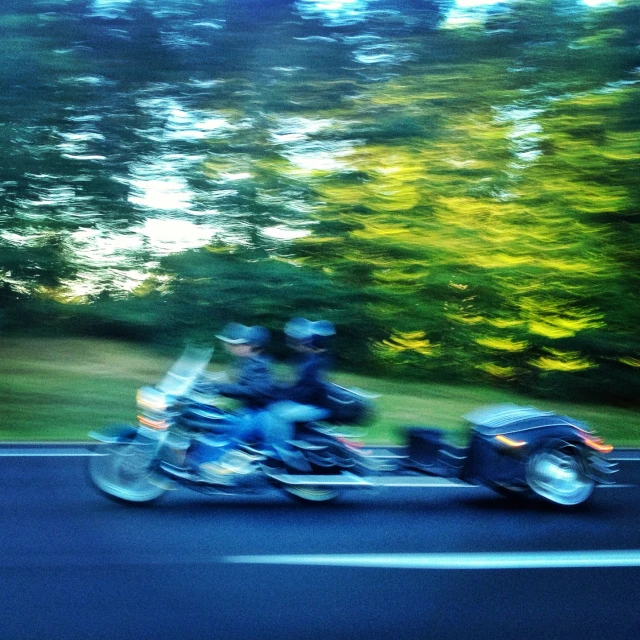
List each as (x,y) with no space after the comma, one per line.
(519,452)
(179,427)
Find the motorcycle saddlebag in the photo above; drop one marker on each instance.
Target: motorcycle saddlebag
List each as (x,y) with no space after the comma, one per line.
(428,451)
(346,406)
(424,444)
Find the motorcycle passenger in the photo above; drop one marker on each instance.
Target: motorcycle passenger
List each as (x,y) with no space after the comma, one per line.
(300,402)
(305,399)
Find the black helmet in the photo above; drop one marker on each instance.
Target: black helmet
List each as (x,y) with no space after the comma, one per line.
(235,333)
(313,334)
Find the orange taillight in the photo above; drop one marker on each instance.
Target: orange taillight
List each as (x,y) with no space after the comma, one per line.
(510,442)
(598,444)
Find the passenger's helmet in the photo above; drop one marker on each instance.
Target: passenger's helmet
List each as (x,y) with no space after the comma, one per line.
(309,333)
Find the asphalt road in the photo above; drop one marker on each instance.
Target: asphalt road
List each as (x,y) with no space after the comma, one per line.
(75,565)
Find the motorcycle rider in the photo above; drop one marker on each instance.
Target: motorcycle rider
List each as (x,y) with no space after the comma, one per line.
(254,380)
(253,386)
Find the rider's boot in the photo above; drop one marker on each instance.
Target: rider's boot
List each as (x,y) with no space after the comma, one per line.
(233,465)
(163,482)
(294,460)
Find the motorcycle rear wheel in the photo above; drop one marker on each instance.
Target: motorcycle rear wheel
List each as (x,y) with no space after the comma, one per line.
(312,494)
(122,472)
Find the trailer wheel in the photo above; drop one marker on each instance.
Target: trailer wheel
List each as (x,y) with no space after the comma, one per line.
(512,492)
(558,473)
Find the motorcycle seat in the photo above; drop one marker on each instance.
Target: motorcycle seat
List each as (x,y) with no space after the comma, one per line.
(204,412)
(195,424)
(306,446)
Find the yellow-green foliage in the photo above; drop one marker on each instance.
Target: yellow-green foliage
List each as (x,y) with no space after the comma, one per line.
(519,232)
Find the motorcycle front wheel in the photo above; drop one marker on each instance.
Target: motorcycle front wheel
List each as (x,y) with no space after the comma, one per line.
(123,472)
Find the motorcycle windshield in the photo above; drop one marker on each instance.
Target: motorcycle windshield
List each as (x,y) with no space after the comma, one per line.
(185,371)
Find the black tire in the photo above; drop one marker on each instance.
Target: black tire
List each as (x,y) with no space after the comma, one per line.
(336,462)
(312,494)
(123,472)
(512,493)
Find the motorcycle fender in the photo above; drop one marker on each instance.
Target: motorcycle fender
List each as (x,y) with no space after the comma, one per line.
(536,437)
(489,461)
(116,433)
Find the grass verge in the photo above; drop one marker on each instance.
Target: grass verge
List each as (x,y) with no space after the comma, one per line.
(60,389)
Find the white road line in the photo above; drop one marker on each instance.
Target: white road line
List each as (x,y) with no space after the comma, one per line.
(507,560)
(614,486)
(41,449)
(47,454)
(426,481)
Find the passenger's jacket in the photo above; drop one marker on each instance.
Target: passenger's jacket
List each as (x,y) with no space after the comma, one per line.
(253,385)
(310,386)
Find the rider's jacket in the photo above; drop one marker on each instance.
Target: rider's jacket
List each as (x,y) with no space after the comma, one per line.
(253,385)
(309,387)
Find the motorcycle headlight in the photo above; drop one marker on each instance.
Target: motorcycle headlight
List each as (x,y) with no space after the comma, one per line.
(151,399)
